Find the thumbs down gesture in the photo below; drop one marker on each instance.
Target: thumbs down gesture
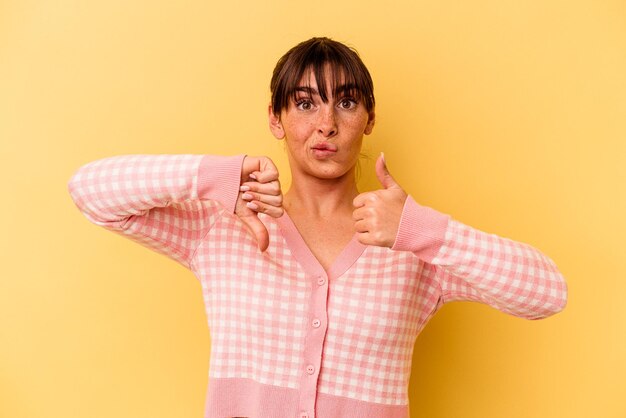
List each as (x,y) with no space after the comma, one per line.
(259,192)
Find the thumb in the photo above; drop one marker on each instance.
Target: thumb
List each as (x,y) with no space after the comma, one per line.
(258,230)
(383,174)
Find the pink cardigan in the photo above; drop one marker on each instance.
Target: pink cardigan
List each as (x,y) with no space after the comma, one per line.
(290,339)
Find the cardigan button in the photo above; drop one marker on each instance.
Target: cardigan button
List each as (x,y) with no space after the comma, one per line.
(316,323)
(321,281)
(304,415)
(310,369)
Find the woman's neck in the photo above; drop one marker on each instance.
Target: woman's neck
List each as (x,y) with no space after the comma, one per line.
(321,198)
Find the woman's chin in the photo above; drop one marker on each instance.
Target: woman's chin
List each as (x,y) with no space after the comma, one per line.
(330,171)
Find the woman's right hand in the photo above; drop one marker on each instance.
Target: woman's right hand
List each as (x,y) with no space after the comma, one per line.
(259,192)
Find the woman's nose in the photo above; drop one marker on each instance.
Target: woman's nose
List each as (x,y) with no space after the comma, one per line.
(327,124)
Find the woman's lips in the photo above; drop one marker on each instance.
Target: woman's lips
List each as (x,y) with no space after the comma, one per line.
(324,150)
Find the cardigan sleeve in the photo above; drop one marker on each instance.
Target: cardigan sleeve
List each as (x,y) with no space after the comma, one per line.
(165,202)
(472,265)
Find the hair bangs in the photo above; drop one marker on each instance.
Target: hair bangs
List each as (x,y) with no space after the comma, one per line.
(331,63)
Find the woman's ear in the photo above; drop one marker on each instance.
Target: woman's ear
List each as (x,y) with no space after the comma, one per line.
(370,123)
(275,126)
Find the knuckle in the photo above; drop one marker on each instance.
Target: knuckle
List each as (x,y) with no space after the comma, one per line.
(269,176)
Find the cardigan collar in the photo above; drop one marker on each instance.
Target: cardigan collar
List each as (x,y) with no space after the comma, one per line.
(303,254)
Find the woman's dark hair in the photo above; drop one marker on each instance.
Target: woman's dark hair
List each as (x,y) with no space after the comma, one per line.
(346,71)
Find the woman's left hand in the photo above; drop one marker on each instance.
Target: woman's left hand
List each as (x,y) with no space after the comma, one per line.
(377,214)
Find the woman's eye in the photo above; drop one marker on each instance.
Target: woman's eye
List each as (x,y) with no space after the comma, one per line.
(347,103)
(304,104)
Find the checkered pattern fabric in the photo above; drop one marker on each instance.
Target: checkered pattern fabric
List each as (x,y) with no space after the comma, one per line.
(510,276)
(308,340)
(380,305)
(256,305)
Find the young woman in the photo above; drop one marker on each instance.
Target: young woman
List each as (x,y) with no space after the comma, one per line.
(314,301)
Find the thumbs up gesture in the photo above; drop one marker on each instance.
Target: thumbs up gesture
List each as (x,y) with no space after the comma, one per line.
(377,214)
(259,192)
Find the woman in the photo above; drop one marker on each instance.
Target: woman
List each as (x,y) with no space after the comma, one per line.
(322,321)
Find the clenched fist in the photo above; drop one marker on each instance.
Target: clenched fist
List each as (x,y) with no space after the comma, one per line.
(259,192)
(377,214)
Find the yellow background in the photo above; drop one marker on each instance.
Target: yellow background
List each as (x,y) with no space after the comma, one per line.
(508,115)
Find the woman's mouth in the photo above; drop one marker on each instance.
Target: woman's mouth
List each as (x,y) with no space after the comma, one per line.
(324,150)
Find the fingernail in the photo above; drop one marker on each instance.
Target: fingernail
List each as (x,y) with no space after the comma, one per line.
(252,176)
(252,206)
(382,154)
(247,196)
(244,188)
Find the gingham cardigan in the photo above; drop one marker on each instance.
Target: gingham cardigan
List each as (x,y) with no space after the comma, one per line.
(290,339)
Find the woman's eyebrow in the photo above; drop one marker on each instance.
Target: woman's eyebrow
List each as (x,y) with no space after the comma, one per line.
(339,90)
(345,89)
(309,90)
